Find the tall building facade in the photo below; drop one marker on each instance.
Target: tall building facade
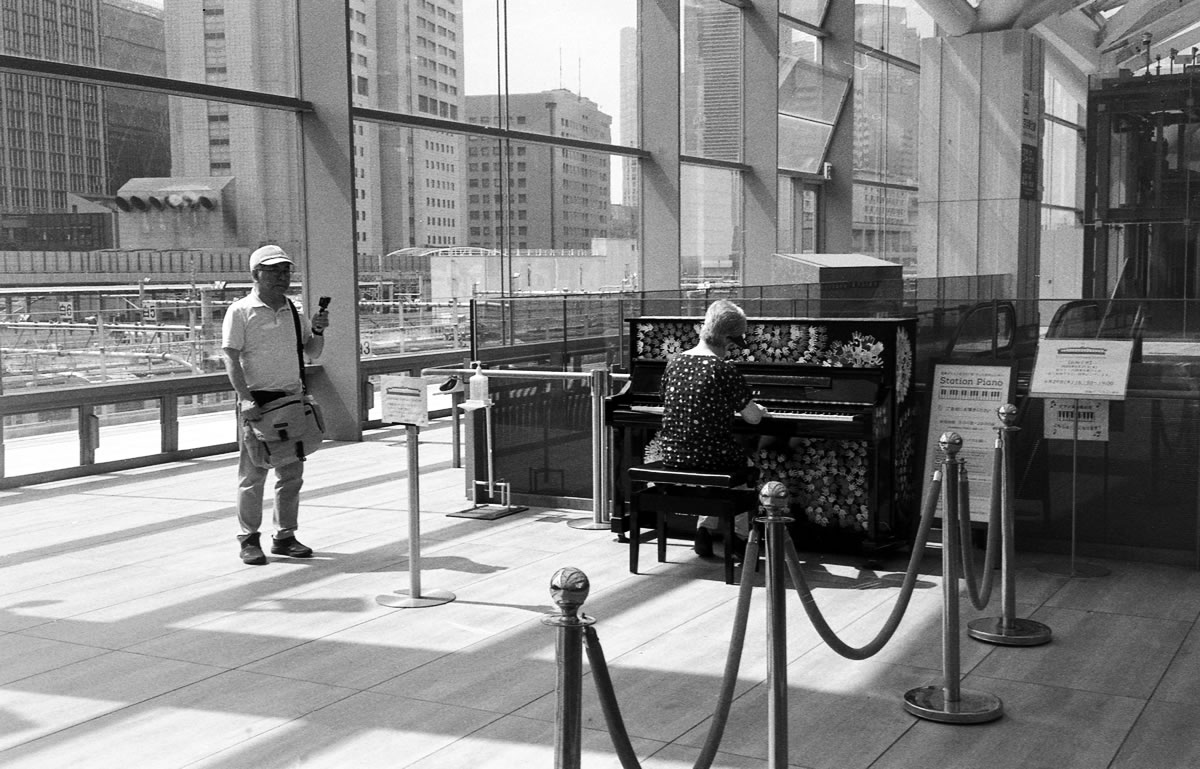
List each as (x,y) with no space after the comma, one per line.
(410,184)
(522,195)
(51,131)
(237,44)
(136,124)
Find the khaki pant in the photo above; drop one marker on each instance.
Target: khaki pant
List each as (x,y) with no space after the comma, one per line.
(252,481)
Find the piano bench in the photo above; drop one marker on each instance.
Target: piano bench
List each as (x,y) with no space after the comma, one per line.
(689,493)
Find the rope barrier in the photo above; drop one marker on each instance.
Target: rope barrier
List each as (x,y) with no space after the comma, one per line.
(979,594)
(607,695)
(948,703)
(828,635)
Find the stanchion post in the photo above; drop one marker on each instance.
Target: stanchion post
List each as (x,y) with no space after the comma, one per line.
(950,703)
(1008,629)
(773,499)
(569,588)
(415,598)
(600,465)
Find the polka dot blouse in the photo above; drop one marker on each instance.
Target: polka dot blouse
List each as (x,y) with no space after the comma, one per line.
(701,394)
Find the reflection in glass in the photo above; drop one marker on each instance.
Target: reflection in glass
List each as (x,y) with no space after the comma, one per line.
(1061,150)
(797,228)
(886,98)
(885,224)
(802,144)
(711,80)
(712,243)
(806,90)
(893,26)
(809,11)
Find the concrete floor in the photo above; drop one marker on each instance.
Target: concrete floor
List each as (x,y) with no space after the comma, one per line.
(132,636)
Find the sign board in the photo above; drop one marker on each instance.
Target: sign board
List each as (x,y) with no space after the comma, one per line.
(66,312)
(405,400)
(964,399)
(1097,369)
(1061,415)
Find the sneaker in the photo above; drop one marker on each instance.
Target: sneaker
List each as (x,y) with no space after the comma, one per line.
(291,547)
(703,546)
(251,553)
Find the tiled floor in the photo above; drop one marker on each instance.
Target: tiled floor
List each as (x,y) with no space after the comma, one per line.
(131,636)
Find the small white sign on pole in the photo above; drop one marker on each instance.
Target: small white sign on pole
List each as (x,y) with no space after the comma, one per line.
(1096,369)
(405,400)
(1062,413)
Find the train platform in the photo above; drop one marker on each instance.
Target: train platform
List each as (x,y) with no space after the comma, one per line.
(131,635)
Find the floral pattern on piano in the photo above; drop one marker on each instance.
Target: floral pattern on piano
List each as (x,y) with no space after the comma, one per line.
(663,340)
(768,343)
(827,480)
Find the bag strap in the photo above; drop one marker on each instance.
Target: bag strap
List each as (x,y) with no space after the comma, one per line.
(299,347)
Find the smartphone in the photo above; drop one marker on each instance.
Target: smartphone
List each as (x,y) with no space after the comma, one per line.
(323,303)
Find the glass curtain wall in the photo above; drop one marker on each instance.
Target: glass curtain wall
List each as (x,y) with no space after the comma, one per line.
(481,160)
(126,212)
(886,91)
(711,123)
(1062,188)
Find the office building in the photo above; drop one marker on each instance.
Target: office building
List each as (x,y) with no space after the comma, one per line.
(556,198)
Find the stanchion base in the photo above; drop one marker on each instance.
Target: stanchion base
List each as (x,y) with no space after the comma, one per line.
(929,702)
(1018,632)
(402,599)
(589,525)
(486,512)
(1078,569)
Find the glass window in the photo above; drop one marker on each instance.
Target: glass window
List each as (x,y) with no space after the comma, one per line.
(577,52)
(797,230)
(885,224)
(711,80)
(809,11)
(802,144)
(169,177)
(795,43)
(885,122)
(1061,150)
(170,40)
(893,26)
(712,245)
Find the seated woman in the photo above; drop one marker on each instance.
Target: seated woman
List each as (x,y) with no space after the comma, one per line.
(702,392)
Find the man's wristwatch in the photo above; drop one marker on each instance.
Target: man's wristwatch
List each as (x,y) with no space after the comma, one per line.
(318,333)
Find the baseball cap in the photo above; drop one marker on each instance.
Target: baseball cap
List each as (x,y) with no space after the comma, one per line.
(267,255)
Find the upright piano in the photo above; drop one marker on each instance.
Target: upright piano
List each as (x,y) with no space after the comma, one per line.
(841,426)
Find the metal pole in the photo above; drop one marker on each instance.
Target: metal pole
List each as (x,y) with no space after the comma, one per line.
(600,503)
(776,587)
(414,598)
(951,666)
(411,433)
(950,703)
(1008,629)
(1075,569)
(456,399)
(569,588)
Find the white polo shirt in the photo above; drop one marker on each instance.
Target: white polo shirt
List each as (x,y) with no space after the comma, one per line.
(266,339)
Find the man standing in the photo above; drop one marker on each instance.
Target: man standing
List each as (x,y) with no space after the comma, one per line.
(259,341)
